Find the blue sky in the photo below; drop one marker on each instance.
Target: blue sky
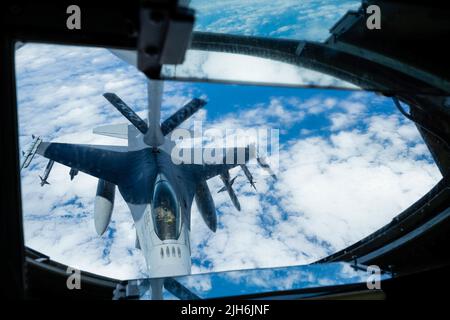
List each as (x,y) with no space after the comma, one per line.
(348,161)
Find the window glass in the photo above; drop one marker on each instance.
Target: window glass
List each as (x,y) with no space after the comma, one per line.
(165,212)
(349,162)
(292,19)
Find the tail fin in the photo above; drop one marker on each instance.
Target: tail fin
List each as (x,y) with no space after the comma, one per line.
(229,188)
(43,181)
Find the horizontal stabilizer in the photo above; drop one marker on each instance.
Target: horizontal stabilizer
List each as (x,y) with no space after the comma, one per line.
(181,115)
(129,56)
(127,112)
(114,130)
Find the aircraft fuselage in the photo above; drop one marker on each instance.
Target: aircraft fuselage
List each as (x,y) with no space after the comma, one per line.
(157,193)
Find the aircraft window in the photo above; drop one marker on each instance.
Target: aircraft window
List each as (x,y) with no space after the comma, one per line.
(222,66)
(241,282)
(165,212)
(348,162)
(291,19)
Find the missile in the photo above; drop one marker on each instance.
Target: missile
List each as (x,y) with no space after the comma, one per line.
(228,187)
(30,153)
(263,164)
(248,175)
(48,168)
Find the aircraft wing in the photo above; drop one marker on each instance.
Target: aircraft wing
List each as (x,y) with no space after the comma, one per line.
(104,162)
(232,157)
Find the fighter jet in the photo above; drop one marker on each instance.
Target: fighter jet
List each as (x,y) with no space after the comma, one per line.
(158,190)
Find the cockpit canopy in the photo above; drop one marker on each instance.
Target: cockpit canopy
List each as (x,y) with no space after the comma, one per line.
(165,212)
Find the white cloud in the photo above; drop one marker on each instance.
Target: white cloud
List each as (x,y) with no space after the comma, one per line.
(347,187)
(331,192)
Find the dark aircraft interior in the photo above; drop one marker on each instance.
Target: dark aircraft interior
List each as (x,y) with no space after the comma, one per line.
(406,61)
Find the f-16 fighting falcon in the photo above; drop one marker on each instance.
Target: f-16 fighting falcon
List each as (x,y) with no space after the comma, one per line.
(159,191)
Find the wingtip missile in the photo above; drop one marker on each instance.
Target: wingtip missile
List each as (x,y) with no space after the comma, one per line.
(31,152)
(263,164)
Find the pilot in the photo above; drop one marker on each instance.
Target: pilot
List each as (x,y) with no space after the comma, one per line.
(164,213)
